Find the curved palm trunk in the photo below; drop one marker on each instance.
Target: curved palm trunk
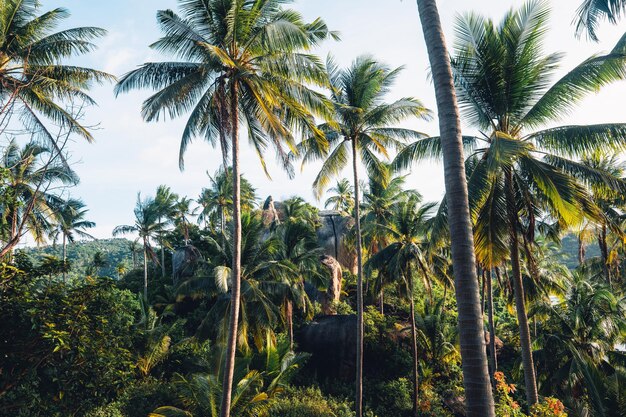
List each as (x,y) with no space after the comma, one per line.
(518,290)
(479,398)
(493,358)
(64,258)
(414,342)
(229,369)
(359,287)
(145,270)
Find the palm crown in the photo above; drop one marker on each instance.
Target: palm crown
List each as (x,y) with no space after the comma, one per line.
(33,78)
(255,47)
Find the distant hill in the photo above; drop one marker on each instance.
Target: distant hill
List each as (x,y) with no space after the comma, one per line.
(80,254)
(569,246)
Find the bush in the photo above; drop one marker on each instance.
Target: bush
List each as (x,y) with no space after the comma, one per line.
(309,402)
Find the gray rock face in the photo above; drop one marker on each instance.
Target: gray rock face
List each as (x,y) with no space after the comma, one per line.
(333,237)
(184,261)
(332,341)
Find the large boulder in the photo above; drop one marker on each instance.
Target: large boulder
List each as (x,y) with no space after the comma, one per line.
(332,342)
(184,262)
(333,237)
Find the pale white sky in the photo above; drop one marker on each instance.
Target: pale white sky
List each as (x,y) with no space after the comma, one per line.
(130,155)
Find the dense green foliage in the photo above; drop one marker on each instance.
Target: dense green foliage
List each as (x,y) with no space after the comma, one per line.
(146,327)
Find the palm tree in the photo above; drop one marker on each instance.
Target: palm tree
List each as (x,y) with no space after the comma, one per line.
(245,62)
(71,222)
(343,198)
(28,176)
(364,122)
(147,226)
(578,354)
(519,174)
(181,214)
(478,395)
(383,194)
(591,12)
(216,201)
(34,81)
(402,257)
(165,202)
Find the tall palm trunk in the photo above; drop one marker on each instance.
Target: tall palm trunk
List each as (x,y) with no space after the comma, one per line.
(493,359)
(64,258)
(479,398)
(231,347)
(359,287)
(414,342)
(604,251)
(145,269)
(289,318)
(518,290)
(162,261)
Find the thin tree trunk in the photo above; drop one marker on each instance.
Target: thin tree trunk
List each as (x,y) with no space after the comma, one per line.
(493,358)
(162,260)
(479,398)
(604,250)
(382,301)
(518,290)
(231,347)
(482,291)
(145,270)
(64,258)
(289,316)
(581,251)
(359,287)
(414,342)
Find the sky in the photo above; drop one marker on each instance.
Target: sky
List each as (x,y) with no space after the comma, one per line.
(131,156)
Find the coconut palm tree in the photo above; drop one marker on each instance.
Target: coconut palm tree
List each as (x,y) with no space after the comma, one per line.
(216,202)
(147,227)
(34,80)
(362,129)
(70,222)
(342,199)
(165,202)
(578,345)
(403,257)
(591,12)
(244,63)
(520,172)
(478,395)
(383,195)
(27,203)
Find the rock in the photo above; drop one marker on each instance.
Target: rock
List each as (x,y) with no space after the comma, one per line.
(333,235)
(184,261)
(332,342)
(333,293)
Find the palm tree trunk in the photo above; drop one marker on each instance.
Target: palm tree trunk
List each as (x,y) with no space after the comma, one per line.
(145,270)
(289,316)
(581,251)
(493,359)
(231,347)
(359,287)
(64,258)
(518,290)
(414,342)
(162,260)
(604,250)
(382,301)
(479,398)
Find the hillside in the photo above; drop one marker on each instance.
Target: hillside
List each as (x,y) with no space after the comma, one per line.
(81,255)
